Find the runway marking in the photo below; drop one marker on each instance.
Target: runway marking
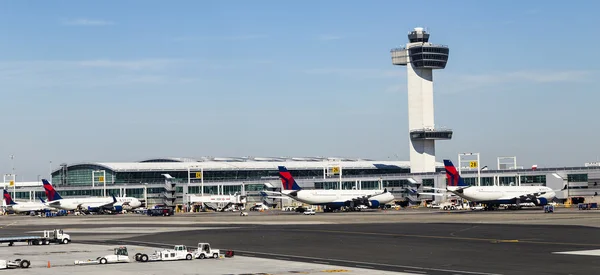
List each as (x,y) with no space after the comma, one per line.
(363,266)
(248,253)
(442,237)
(505,241)
(373,264)
(464,229)
(593,252)
(12,223)
(415,271)
(320,262)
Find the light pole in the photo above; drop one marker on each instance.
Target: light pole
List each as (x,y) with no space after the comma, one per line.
(14,176)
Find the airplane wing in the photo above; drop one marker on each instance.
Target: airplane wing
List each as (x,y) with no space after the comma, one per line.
(432,194)
(102,204)
(364,200)
(530,197)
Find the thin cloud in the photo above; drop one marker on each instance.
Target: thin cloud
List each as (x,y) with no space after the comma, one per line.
(477,82)
(87,22)
(328,37)
(355,73)
(242,37)
(129,64)
(93,73)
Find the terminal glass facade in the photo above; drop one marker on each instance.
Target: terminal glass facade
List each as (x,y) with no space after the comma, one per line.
(487,181)
(81,175)
(577,177)
(534,180)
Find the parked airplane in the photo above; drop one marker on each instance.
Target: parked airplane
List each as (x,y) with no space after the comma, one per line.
(91,204)
(25,207)
(493,196)
(331,199)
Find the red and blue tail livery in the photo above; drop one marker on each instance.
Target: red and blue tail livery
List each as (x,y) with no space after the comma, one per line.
(51,193)
(287,181)
(8,199)
(452,175)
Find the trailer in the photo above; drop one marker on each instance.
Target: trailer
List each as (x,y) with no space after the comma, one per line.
(120,255)
(18,263)
(50,236)
(180,252)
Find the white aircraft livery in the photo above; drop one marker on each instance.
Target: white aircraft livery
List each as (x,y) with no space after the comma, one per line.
(494,195)
(92,204)
(332,199)
(24,206)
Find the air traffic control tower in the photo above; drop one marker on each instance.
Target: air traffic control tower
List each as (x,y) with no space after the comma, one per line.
(420,58)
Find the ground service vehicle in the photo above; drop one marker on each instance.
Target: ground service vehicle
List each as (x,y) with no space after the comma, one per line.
(18,263)
(309,212)
(50,236)
(120,255)
(160,211)
(205,251)
(180,252)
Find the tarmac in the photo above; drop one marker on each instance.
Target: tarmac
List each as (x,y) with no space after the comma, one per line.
(422,241)
(59,259)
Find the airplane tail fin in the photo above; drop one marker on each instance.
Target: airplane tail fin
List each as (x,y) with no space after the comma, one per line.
(51,193)
(42,200)
(8,199)
(287,181)
(454,179)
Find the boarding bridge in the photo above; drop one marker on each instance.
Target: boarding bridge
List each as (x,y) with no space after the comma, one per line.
(217,202)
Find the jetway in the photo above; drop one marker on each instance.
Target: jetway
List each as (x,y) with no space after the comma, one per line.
(217,202)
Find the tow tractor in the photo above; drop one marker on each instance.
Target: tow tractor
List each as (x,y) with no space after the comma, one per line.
(205,251)
(18,263)
(180,252)
(120,255)
(50,236)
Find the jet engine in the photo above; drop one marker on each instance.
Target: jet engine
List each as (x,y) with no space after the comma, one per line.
(374,204)
(541,201)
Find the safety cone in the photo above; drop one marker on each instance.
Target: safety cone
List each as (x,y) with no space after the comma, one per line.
(48,264)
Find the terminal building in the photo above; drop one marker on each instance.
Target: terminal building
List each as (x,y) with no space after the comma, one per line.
(249,176)
(171,180)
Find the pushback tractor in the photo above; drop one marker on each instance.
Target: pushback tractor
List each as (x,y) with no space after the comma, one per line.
(120,255)
(180,252)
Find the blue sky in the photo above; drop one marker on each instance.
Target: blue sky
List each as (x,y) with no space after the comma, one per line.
(128,80)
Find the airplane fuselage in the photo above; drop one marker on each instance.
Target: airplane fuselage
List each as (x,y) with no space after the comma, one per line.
(505,194)
(339,197)
(28,207)
(87,203)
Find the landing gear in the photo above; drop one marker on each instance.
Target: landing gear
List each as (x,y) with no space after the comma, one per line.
(490,207)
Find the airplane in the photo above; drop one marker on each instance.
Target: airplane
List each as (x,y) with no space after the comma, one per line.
(91,204)
(25,207)
(331,199)
(493,196)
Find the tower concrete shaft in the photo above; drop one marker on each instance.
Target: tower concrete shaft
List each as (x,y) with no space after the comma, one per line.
(420,58)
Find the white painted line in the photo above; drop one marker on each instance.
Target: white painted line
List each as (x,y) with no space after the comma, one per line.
(363,266)
(415,271)
(593,252)
(375,264)
(320,262)
(343,261)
